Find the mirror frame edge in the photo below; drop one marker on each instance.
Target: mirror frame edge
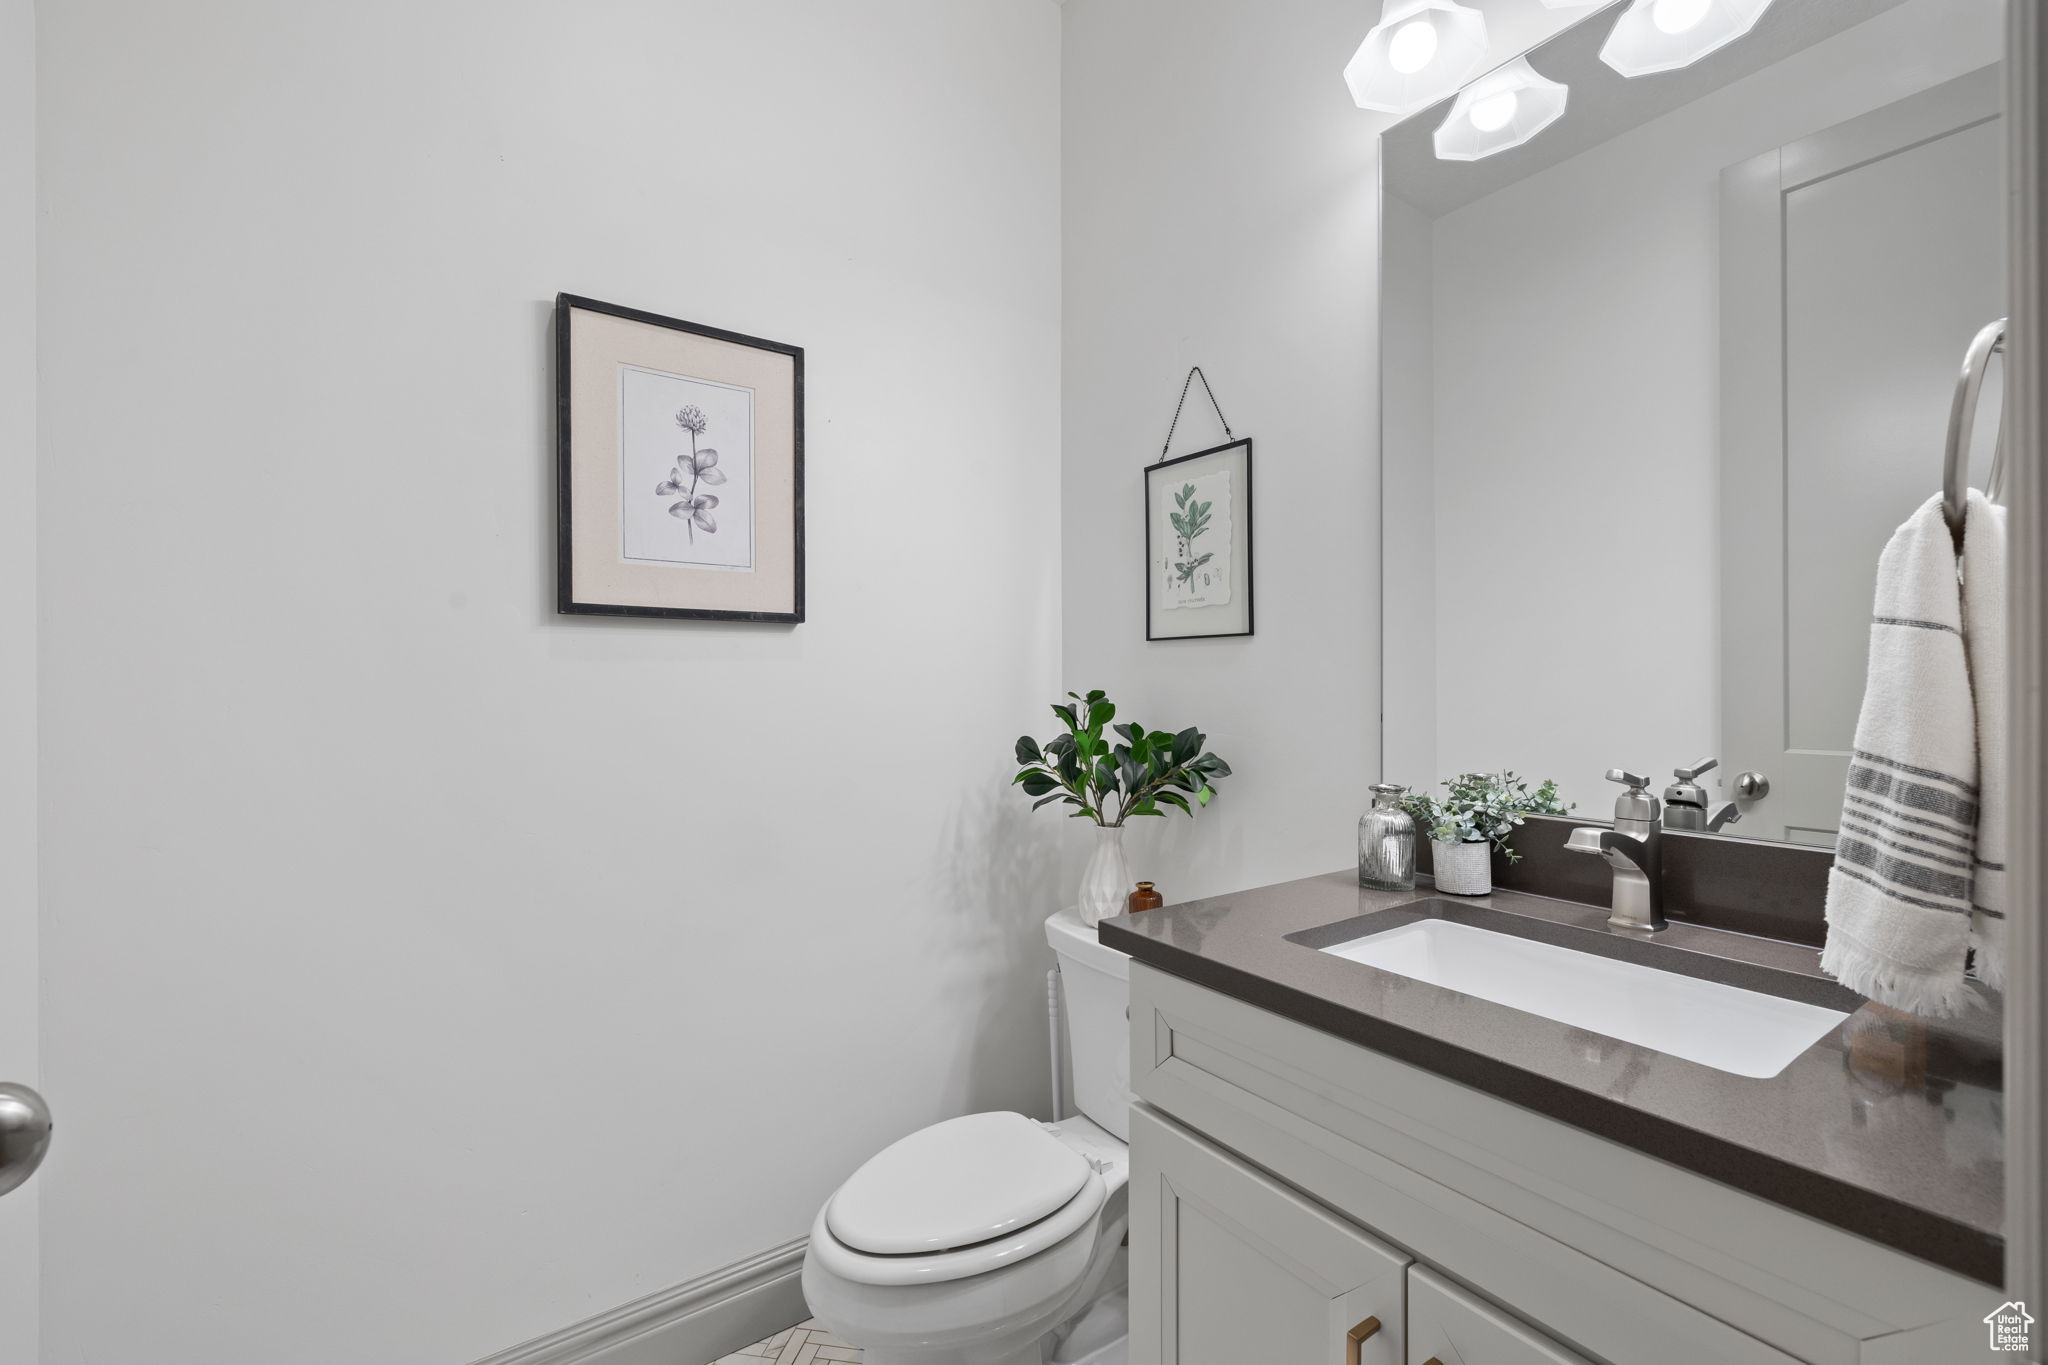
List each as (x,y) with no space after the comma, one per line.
(2026,1027)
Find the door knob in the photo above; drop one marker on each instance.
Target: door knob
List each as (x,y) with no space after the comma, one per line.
(1752,786)
(24,1134)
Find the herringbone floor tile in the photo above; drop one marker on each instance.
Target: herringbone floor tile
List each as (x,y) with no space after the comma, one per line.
(807,1343)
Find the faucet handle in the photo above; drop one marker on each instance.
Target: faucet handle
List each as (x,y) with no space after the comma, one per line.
(1699,765)
(1627,778)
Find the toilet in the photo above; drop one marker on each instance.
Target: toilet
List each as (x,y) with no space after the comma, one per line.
(994,1239)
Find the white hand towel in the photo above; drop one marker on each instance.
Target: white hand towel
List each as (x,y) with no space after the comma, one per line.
(1898,905)
(1984,641)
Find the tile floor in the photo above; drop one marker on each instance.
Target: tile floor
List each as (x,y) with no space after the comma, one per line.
(804,1344)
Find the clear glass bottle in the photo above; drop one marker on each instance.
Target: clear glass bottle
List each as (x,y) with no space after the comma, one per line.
(1386,842)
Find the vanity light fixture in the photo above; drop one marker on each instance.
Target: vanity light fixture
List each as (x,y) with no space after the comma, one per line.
(1502,109)
(1664,35)
(1419,52)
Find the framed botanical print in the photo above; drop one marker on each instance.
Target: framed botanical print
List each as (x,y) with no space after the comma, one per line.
(1198,544)
(680,468)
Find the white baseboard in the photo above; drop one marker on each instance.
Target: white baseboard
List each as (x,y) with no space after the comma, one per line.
(691,1324)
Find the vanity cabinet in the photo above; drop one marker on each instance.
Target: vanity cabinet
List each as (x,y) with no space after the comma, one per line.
(1248,1270)
(1287,1185)
(1451,1327)
(1236,1267)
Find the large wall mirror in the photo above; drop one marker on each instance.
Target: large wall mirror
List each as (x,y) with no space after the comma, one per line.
(1659,382)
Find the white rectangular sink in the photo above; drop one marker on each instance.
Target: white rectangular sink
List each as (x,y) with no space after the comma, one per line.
(1744,1032)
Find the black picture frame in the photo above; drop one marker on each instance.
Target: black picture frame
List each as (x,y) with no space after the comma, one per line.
(1242,524)
(566,600)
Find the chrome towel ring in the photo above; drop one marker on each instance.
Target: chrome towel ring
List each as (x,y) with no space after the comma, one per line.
(1962,423)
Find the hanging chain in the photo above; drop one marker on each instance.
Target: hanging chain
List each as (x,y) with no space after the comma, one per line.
(1194,374)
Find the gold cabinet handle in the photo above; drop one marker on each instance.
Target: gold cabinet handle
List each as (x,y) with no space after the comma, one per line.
(1356,1336)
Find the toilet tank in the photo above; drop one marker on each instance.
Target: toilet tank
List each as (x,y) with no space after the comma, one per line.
(1095,984)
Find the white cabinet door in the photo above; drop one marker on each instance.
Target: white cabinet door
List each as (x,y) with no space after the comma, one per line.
(1230,1267)
(1447,1326)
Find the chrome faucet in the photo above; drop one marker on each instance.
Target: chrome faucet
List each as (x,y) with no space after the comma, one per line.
(1724,814)
(1634,849)
(1686,805)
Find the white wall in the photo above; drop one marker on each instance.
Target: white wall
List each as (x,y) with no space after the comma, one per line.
(1408,480)
(425,971)
(18,1052)
(1577,396)
(1220,211)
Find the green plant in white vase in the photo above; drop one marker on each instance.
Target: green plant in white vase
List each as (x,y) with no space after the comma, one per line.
(1108,782)
(1478,812)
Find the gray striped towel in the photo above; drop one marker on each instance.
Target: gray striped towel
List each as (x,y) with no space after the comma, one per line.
(1984,640)
(1899,906)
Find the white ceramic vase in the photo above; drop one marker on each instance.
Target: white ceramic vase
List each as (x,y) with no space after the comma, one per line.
(1462,869)
(1106,884)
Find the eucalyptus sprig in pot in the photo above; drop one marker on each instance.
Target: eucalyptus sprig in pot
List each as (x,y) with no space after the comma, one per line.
(1478,813)
(1107,781)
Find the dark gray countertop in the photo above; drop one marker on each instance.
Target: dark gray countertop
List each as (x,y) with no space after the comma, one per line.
(1890,1127)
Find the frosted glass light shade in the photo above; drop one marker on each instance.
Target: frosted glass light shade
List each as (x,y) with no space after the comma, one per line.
(1502,109)
(1664,35)
(1400,67)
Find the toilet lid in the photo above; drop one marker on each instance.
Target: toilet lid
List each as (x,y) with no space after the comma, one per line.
(954,1184)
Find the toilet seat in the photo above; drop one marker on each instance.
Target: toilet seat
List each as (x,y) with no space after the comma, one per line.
(862,1268)
(955,1184)
(963,1197)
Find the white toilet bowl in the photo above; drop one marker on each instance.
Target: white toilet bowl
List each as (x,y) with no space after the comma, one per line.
(901,1263)
(992,1239)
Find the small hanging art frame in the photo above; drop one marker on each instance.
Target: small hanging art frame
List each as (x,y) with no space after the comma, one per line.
(1198,535)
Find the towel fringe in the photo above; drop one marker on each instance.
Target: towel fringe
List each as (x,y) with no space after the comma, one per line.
(1988,939)
(1935,994)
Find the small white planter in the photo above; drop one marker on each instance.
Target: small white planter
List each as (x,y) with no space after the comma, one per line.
(1106,881)
(1462,869)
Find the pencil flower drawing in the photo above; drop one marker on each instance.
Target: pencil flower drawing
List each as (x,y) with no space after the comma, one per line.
(700,466)
(681,501)
(1188,524)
